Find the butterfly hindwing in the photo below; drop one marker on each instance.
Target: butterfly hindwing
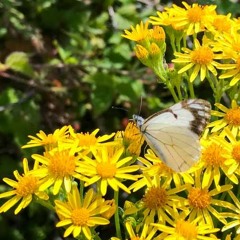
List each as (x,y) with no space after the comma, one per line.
(178,148)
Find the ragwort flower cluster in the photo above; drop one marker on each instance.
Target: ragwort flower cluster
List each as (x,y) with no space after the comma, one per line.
(201,203)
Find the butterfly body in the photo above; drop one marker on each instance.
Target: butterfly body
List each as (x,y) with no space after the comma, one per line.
(173,134)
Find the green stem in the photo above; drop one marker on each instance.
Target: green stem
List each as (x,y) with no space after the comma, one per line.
(116,216)
(46,204)
(191,89)
(81,190)
(212,85)
(179,91)
(171,89)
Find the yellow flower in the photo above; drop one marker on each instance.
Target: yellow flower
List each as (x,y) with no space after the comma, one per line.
(220,24)
(107,168)
(147,232)
(185,229)
(49,141)
(235,215)
(139,33)
(110,212)
(142,54)
(57,168)
(228,44)
(230,117)
(81,214)
(200,60)
(232,152)
(192,19)
(131,139)
(159,199)
(25,188)
(202,200)
(157,34)
(234,70)
(214,161)
(164,19)
(89,141)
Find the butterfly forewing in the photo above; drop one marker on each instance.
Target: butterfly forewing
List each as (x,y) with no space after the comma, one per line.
(173,134)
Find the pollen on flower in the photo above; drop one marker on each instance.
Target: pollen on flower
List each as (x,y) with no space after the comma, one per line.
(80,216)
(203,55)
(199,198)
(26,185)
(195,14)
(232,116)
(213,155)
(106,170)
(236,152)
(186,229)
(155,198)
(61,164)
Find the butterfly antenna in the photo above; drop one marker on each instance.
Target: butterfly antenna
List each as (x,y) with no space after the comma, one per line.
(140,107)
(119,108)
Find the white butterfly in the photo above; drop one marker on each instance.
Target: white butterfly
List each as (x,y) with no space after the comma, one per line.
(173,134)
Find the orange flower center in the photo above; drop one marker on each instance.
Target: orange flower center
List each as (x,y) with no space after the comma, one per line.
(222,24)
(155,198)
(195,14)
(106,170)
(203,55)
(80,216)
(61,164)
(199,198)
(232,116)
(86,139)
(236,152)
(26,185)
(212,155)
(186,229)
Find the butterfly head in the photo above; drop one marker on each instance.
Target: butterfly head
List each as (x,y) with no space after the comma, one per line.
(138,120)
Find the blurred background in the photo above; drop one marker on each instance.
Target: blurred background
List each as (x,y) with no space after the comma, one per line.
(64,62)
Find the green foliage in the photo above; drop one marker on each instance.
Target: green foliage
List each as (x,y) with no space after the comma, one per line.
(19,62)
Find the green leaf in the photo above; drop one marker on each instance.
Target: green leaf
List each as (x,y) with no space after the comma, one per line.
(19,62)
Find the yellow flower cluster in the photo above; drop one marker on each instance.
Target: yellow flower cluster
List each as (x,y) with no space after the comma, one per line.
(205,45)
(70,159)
(76,171)
(201,201)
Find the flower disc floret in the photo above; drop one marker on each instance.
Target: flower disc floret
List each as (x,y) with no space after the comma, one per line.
(156,197)
(199,198)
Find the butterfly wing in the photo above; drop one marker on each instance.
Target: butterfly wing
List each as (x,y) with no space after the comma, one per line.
(177,147)
(173,134)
